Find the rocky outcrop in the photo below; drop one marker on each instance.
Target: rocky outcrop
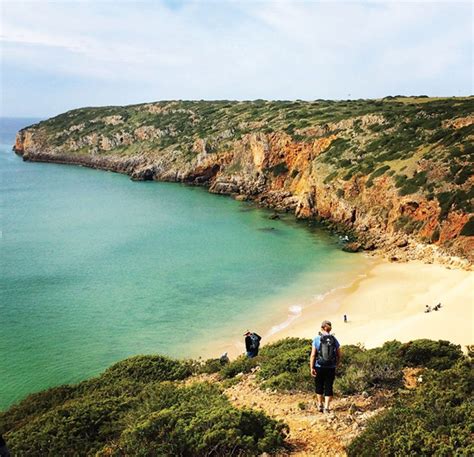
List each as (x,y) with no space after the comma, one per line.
(274,170)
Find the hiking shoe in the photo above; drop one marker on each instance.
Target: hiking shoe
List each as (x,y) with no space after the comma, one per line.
(320,408)
(327,411)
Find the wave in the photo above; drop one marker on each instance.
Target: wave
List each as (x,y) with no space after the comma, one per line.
(294,311)
(321,297)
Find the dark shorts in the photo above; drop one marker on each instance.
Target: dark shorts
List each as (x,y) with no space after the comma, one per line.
(324,381)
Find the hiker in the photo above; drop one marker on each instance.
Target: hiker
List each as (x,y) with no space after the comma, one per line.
(252,343)
(428,309)
(345,318)
(4,452)
(325,357)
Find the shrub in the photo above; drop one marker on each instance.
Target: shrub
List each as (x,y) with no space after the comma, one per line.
(81,426)
(445,200)
(436,234)
(289,361)
(379,172)
(365,369)
(210,366)
(278,169)
(283,365)
(162,418)
(35,404)
(407,224)
(464,174)
(287,344)
(468,229)
(438,355)
(353,381)
(147,368)
(198,421)
(349,354)
(330,177)
(288,370)
(435,419)
(407,189)
(241,364)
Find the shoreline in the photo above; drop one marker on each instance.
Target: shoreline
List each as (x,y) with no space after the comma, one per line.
(389,303)
(402,290)
(398,247)
(386,303)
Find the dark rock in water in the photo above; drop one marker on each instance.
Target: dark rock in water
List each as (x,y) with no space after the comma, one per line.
(148,175)
(266,229)
(274,216)
(352,247)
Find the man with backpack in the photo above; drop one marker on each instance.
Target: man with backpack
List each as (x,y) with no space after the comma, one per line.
(325,357)
(252,343)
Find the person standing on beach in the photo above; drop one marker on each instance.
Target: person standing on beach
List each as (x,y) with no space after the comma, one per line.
(252,343)
(325,357)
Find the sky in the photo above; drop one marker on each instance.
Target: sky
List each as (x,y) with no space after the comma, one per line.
(61,55)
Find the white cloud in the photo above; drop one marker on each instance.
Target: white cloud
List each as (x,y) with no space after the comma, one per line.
(272,49)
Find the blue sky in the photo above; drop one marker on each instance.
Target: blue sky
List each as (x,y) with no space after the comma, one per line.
(60,55)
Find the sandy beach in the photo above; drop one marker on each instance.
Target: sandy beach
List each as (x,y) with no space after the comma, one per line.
(385,302)
(389,303)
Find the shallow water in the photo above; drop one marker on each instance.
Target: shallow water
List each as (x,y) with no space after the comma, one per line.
(95,268)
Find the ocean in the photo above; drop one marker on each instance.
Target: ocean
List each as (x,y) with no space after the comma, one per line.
(95,268)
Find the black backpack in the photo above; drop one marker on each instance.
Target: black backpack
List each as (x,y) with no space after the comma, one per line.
(327,355)
(254,342)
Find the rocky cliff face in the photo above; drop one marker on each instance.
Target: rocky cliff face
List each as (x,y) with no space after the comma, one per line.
(397,173)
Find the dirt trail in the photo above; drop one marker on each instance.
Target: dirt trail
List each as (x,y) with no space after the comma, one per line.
(311,433)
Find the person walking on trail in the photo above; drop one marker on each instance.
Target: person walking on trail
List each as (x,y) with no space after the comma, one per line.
(325,357)
(4,452)
(252,343)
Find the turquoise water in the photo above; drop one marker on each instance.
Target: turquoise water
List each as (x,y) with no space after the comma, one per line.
(95,268)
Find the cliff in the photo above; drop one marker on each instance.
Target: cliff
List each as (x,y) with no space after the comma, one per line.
(396,172)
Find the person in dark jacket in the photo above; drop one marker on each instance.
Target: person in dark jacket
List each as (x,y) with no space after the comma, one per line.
(252,343)
(4,452)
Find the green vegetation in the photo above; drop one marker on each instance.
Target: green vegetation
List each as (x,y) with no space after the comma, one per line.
(468,229)
(278,169)
(135,406)
(196,421)
(407,224)
(437,355)
(140,406)
(434,419)
(281,366)
(379,172)
(371,138)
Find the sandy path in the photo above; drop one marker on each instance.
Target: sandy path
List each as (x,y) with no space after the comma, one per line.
(311,433)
